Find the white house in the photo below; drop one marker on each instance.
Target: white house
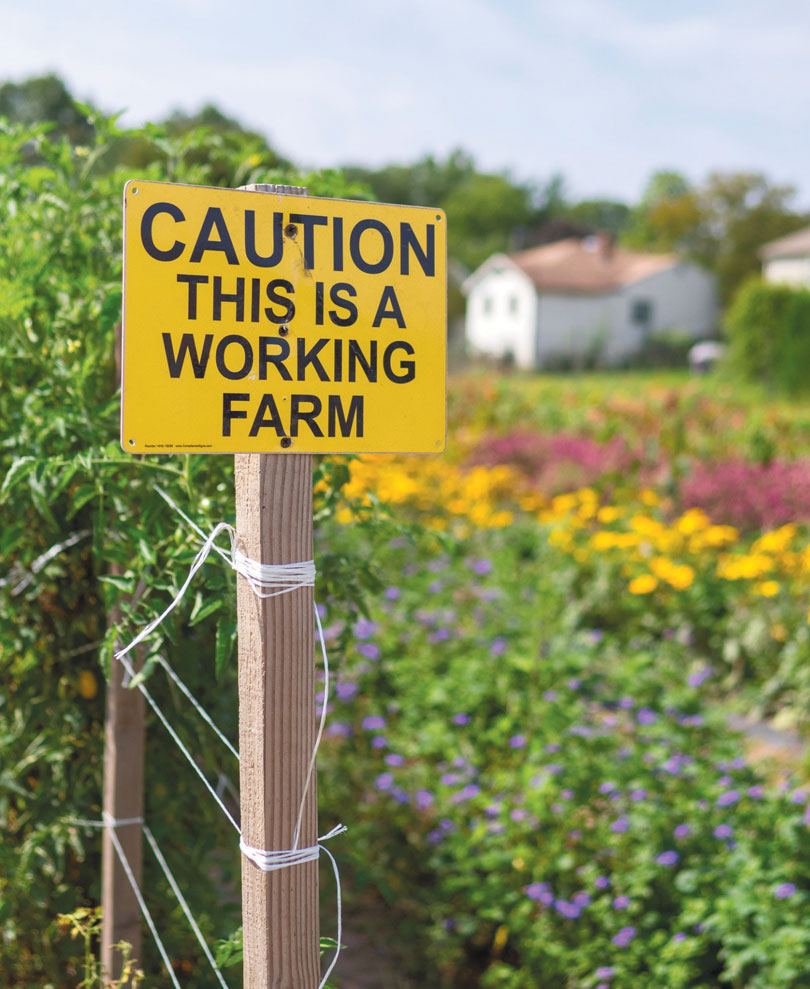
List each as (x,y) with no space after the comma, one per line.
(786,261)
(576,298)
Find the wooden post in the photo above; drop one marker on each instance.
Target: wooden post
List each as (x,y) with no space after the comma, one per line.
(277,723)
(124,740)
(123,799)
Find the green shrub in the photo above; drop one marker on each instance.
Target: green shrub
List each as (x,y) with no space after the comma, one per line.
(768,327)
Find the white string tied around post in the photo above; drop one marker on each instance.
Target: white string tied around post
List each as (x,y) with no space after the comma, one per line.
(266,580)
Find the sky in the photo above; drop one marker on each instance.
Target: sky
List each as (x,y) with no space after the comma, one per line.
(603,92)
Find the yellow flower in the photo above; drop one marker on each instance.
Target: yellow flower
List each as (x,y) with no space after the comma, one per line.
(721,535)
(775,541)
(681,577)
(692,521)
(609,513)
(649,497)
(767,588)
(645,584)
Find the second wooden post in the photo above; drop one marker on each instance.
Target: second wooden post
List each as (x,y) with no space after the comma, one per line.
(277,723)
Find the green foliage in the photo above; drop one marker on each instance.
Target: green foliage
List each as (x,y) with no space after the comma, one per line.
(523,788)
(85,923)
(45,99)
(768,327)
(720,224)
(65,479)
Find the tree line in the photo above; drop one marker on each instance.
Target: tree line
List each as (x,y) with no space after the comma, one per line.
(720,222)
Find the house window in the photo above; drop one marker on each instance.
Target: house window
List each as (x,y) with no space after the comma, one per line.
(487,305)
(641,312)
(513,304)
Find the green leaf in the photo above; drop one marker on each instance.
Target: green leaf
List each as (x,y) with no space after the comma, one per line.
(16,473)
(226,638)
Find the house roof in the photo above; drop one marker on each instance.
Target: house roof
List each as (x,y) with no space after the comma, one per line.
(790,246)
(592,265)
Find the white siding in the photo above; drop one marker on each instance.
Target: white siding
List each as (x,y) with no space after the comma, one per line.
(502,314)
(505,315)
(788,271)
(573,326)
(682,298)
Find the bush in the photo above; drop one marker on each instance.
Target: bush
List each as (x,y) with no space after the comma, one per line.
(768,327)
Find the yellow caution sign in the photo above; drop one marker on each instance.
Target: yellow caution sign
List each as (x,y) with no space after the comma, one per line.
(257,322)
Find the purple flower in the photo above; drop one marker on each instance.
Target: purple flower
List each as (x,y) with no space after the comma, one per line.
(364,629)
(535,890)
(696,679)
(392,593)
(394,759)
(624,937)
(379,742)
(424,798)
(646,716)
(606,787)
(467,793)
(449,779)
(679,937)
(723,831)
(481,567)
(574,683)
(620,825)
(435,586)
(621,902)
(460,719)
(519,814)
(567,794)
(582,899)
(638,795)
(384,781)
(498,646)
(549,695)
(517,741)
(627,703)
(373,722)
(337,729)
(346,691)
(728,798)
(601,882)
(784,891)
(799,797)
(370,650)
(668,858)
(570,910)
(605,972)
(682,831)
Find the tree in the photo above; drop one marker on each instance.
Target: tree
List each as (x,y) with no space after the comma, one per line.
(45,99)
(721,224)
(741,211)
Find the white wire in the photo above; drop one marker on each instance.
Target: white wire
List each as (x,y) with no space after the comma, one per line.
(142,904)
(176,889)
(196,704)
(177,739)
